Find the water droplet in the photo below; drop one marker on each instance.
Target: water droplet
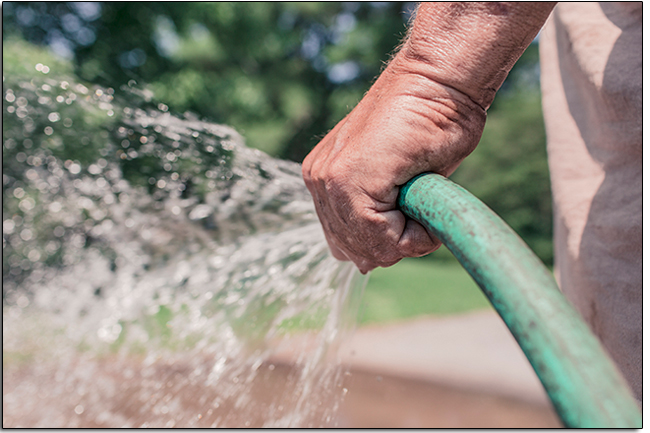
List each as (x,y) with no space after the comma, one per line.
(34,255)
(8,226)
(42,68)
(79,409)
(19,192)
(54,207)
(22,301)
(74,168)
(27,204)
(26,235)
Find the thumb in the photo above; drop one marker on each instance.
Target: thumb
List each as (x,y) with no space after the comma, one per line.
(416,241)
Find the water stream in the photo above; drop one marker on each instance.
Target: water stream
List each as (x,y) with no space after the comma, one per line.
(157,272)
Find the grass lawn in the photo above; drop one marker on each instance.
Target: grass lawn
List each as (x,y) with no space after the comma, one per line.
(416,287)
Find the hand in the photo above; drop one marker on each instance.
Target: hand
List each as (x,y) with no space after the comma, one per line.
(407,124)
(425,113)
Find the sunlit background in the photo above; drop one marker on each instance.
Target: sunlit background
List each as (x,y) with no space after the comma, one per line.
(75,149)
(283,74)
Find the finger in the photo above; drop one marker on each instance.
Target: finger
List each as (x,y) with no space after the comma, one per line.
(339,251)
(339,247)
(416,241)
(395,224)
(365,266)
(319,153)
(343,254)
(336,251)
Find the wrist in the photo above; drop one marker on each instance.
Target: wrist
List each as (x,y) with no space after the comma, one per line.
(470,47)
(425,83)
(440,124)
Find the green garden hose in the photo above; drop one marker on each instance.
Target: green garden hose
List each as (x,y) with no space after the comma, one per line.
(582,382)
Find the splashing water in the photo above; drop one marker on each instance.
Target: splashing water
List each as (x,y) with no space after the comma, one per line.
(156,272)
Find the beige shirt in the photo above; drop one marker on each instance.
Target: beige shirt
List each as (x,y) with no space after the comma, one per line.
(591,65)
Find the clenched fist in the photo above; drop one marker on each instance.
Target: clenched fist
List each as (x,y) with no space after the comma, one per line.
(425,113)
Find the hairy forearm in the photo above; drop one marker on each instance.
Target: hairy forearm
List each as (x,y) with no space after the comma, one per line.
(471,46)
(425,113)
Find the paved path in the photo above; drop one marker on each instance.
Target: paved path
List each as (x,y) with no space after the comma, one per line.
(471,351)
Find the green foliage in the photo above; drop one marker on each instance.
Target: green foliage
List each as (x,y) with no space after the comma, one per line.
(282,74)
(307,320)
(43,129)
(60,134)
(263,68)
(20,57)
(416,287)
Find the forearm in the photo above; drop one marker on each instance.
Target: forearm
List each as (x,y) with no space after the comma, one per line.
(425,113)
(471,46)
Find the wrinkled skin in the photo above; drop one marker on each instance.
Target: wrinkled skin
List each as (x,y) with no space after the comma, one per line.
(404,126)
(425,113)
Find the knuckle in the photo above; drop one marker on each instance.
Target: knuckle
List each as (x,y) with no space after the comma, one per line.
(306,173)
(419,249)
(387,258)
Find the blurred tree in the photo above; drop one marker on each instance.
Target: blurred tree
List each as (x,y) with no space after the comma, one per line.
(283,74)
